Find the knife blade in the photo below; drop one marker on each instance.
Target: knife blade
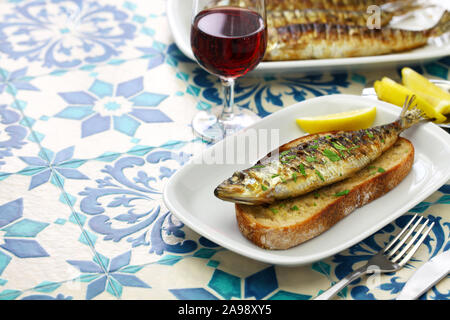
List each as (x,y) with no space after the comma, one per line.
(426,276)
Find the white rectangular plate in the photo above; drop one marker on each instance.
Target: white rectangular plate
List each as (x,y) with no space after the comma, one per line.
(179,14)
(189,193)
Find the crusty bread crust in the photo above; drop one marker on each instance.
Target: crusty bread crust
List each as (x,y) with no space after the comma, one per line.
(286,236)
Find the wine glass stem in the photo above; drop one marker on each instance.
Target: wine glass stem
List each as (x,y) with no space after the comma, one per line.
(228,90)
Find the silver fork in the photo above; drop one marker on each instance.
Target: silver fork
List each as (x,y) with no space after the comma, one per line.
(392,258)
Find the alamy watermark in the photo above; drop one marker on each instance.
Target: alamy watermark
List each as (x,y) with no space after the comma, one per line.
(374,20)
(247,147)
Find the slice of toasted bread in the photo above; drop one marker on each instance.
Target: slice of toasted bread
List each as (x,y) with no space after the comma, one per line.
(290,222)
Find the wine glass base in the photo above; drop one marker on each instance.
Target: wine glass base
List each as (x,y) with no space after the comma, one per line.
(207,126)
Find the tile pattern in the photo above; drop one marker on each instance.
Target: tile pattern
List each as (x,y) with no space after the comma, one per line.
(95,109)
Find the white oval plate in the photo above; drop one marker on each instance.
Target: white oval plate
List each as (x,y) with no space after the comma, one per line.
(179,14)
(189,192)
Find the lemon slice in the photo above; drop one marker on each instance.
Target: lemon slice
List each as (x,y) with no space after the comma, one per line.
(350,120)
(437,97)
(390,91)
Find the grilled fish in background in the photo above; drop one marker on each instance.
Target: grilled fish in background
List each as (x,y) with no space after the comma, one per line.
(350,5)
(398,6)
(276,19)
(324,40)
(311,162)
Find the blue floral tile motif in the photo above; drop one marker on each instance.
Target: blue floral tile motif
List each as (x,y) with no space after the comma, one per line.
(286,295)
(111,275)
(226,284)
(13,81)
(139,224)
(193,294)
(15,229)
(264,95)
(124,107)
(158,54)
(59,296)
(55,167)
(12,134)
(64,33)
(262,283)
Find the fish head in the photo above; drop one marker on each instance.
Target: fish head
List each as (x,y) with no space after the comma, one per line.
(240,188)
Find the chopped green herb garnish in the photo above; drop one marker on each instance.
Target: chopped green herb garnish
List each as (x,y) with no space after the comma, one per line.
(371,167)
(382,140)
(381,170)
(258,166)
(333,156)
(315,204)
(316,195)
(339,146)
(328,137)
(301,167)
(319,175)
(283,180)
(314,146)
(294,176)
(311,158)
(284,153)
(290,157)
(263,187)
(275,175)
(274,210)
(282,205)
(341,193)
(369,134)
(295,208)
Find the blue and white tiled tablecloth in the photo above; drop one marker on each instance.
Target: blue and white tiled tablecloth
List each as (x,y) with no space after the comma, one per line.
(95,109)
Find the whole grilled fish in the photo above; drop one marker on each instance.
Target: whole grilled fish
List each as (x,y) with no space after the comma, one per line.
(322,41)
(278,19)
(349,5)
(313,161)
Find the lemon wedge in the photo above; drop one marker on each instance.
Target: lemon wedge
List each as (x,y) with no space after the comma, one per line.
(350,120)
(437,97)
(390,91)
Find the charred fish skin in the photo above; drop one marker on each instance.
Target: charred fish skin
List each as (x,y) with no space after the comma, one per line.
(350,5)
(312,162)
(276,19)
(327,41)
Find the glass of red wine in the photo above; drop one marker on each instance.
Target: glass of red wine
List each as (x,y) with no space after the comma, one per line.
(228,39)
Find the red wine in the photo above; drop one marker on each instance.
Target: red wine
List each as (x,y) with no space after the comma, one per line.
(228,41)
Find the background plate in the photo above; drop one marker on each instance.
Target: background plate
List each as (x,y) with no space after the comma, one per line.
(189,193)
(179,15)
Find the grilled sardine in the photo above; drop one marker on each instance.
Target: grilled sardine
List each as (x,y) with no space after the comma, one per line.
(312,162)
(276,19)
(349,5)
(323,41)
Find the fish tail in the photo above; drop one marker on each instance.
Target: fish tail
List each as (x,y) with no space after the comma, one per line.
(411,115)
(399,8)
(442,26)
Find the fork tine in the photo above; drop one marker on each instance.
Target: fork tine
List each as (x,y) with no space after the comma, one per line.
(393,241)
(410,242)
(402,241)
(414,249)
